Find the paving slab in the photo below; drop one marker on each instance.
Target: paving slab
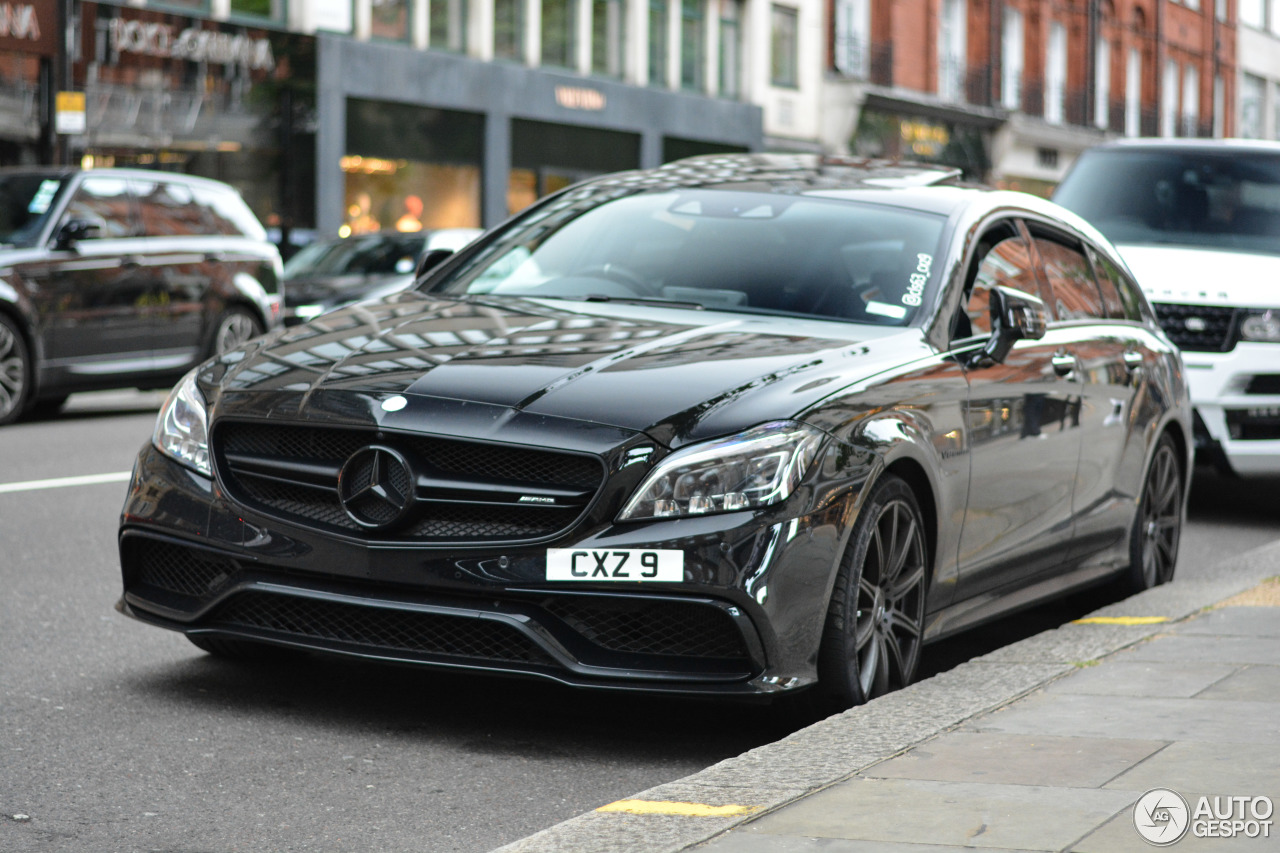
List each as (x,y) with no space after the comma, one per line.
(1223,768)
(946,813)
(1011,759)
(1193,648)
(1252,683)
(1229,621)
(1124,677)
(746,842)
(1119,836)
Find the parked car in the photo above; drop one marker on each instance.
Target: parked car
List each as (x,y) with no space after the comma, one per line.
(331,273)
(739,425)
(113,278)
(1198,221)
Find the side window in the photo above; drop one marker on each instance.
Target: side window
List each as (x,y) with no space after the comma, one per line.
(227,212)
(168,209)
(1127,295)
(105,202)
(1006,263)
(1070,278)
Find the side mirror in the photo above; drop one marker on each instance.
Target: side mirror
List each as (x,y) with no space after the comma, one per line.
(430,260)
(75,230)
(1015,316)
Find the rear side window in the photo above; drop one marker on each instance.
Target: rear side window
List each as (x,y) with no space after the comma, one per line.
(1070,278)
(227,213)
(1126,290)
(169,209)
(107,203)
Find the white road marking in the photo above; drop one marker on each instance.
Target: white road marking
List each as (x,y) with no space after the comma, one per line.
(59,482)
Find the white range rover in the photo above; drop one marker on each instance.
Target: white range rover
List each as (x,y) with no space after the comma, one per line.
(1198,223)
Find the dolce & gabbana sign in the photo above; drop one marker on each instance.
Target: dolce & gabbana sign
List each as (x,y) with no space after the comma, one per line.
(29,27)
(151,38)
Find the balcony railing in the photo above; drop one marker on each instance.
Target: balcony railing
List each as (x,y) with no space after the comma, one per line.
(977,86)
(852,55)
(1033,97)
(882,64)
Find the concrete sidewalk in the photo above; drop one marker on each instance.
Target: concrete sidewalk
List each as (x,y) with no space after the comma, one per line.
(1048,744)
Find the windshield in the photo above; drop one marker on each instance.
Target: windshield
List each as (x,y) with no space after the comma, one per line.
(374,254)
(1227,200)
(717,249)
(25,203)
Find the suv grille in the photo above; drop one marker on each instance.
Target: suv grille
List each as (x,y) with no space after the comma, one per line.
(1199,328)
(464,491)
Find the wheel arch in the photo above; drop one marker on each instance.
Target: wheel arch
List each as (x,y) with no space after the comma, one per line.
(913,473)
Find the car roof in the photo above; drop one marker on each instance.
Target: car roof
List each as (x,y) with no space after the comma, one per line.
(123,172)
(1217,146)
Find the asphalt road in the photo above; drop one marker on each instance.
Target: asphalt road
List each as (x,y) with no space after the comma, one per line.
(119,737)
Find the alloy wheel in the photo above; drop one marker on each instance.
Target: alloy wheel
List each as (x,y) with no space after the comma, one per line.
(13,373)
(234,329)
(1161,517)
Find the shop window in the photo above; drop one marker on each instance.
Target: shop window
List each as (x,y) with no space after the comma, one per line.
(658,42)
(448,23)
(508,29)
(390,20)
(693,14)
(547,157)
(273,9)
(608,37)
(559,33)
(675,148)
(730,48)
(784,64)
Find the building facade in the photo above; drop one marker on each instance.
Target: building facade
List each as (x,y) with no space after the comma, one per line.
(1258,103)
(1013,91)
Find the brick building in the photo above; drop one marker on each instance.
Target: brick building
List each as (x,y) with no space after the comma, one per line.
(1012,91)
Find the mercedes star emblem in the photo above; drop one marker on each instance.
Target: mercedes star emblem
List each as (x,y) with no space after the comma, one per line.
(375,487)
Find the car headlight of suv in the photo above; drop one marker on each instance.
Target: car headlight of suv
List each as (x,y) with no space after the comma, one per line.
(1261,326)
(752,469)
(182,429)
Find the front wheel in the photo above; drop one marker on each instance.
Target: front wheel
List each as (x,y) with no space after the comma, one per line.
(875,621)
(1153,542)
(15,372)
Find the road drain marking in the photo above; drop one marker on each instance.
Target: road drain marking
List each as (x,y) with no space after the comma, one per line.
(60,482)
(1121,620)
(680,809)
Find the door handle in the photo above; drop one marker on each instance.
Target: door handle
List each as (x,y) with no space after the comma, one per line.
(1132,360)
(130,262)
(1064,365)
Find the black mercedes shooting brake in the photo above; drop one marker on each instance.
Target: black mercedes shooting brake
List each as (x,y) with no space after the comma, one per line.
(739,425)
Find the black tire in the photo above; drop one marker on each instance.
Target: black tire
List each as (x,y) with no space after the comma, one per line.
(46,407)
(239,650)
(232,328)
(875,621)
(15,372)
(1157,527)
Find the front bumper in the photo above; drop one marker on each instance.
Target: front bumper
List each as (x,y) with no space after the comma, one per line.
(746,620)
(1237,396)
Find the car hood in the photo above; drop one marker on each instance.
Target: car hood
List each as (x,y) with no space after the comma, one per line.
(1193,276)
(305,290)
(677,374)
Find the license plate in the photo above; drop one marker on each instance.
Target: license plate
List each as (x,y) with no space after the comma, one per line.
(580,564)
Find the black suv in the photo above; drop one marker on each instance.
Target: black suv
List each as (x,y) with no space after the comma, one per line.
(114,278)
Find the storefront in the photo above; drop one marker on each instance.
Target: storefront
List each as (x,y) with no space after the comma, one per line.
(928,133)
(408,135)
(28,41)
(230,102)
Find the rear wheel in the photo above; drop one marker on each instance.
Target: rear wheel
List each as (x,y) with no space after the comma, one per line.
(234,327)
(1153,543)
(15,372)
(875,621)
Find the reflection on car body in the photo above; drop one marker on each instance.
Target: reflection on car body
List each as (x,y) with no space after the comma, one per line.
(715,371)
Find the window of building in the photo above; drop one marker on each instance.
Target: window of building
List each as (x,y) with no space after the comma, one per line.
(559,33)
(389,19)
(448,22)
(608,37)
(1102,84)
(1169,99)
(693,50)
(730,48)
(1275,112)
(853,38)
(273,9)
(508,29)
(1190,100)
(1055,73)
(1253,13)
(1011,60)
(1133,94)
(1219,107)
(1253,93)
(784,65)
(547,157)
(658,42)
(951,51)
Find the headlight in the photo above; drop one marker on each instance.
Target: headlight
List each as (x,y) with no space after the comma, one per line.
(1263,326)
(752,469)
(182,429)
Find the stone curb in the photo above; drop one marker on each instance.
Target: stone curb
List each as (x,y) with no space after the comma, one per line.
(771,776)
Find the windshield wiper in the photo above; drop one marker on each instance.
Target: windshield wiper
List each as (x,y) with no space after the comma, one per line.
(642,300)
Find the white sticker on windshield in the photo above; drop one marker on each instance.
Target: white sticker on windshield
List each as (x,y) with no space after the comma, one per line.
(43,198)
(924,263)
(885,309)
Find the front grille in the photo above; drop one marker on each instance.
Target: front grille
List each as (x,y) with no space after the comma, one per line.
(382,628)
(291,472)
(179,570)
(1199,328)
(652,627)
(1263,383)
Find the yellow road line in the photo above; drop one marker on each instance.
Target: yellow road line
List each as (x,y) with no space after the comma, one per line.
(1121,620)
(680,809)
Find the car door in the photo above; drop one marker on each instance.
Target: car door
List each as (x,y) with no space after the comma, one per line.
(1109,356)
(1023,429)
(100,290)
